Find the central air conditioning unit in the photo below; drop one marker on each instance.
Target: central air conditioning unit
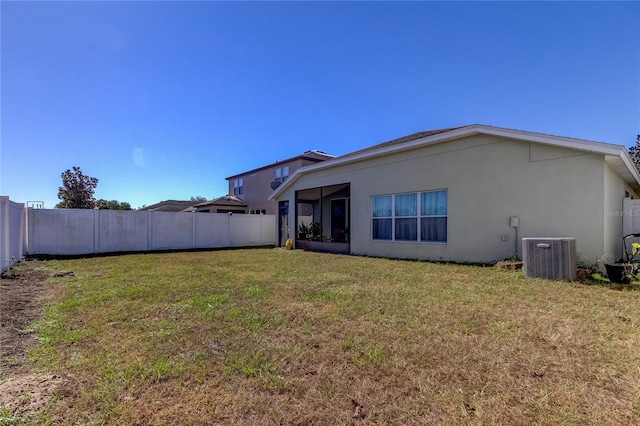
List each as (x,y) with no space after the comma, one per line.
(549,258)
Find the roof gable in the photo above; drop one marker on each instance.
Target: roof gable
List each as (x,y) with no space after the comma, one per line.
(225,200)
(169,206)
(615,155)
(312,155)
(399,141)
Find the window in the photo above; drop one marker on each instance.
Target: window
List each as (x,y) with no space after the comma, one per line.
(433,216)
(238,185)
(382,218)
(406,215)
(410,217)
(282,174)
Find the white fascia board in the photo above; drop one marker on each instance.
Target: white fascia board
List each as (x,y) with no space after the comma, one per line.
(631,167)
(293,177)
(616,155)
(442,137)
(623,165)
(559,141)
(287,183)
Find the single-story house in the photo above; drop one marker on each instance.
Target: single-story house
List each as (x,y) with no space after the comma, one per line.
(466,194)
(224,204)
(169,206)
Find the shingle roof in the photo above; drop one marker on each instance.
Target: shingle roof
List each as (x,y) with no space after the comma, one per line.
(615,155)
(312,155)
(226,200)
(169,206)
(402,140)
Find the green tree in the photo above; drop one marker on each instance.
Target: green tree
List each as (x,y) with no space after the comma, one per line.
(112,205)
(198,199)
(634,152)
(77,190)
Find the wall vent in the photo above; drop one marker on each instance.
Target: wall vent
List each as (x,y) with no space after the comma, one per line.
(549,258)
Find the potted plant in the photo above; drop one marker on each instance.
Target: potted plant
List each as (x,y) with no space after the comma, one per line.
(619,272)
(303,231)
(622,271)
(314,232)
(584,271)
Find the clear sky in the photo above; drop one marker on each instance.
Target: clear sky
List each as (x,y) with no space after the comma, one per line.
(163,100)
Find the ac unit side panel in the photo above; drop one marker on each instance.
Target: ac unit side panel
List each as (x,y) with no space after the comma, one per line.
(549,258)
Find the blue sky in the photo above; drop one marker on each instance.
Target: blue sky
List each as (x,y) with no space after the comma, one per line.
(163,100)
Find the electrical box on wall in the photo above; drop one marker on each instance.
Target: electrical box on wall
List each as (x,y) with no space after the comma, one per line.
(514,221)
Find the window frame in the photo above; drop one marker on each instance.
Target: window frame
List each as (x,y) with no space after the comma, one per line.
(418,217)
(282,173)
(238,186)
(381,218)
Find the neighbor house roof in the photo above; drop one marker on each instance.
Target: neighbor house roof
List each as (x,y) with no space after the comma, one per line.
(169,206)
(312,155)
(615,155)
(226,200)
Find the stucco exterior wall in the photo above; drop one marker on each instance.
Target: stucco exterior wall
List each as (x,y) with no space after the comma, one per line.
(257,185)
(554,192)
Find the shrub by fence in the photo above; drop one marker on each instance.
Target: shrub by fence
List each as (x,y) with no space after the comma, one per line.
(75,232)
(12,232)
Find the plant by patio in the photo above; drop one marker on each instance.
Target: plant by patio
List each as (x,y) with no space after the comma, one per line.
(312,232)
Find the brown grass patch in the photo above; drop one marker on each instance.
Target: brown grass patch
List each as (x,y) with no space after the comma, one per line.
(287,337)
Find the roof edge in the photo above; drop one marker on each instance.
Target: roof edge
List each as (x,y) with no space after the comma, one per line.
(465,131)
(304,156)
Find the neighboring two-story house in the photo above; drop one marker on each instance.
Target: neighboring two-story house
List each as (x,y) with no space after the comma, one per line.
(255,186)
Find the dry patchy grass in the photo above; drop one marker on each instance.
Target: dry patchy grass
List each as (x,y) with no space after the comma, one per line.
(268,336)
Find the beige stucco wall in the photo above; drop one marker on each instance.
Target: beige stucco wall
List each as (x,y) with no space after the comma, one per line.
(257,185)
(555,192)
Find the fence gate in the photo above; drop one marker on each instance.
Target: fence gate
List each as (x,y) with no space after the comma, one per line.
(630,219)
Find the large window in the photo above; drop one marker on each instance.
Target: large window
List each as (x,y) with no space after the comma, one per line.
(282,174)
(238,186)
(410,217)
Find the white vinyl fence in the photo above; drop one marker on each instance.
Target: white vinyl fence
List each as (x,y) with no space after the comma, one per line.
(630,220)
(630,216)
(12,232)
(77,232)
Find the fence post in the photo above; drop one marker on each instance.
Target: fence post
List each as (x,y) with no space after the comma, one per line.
(26,229)
(4,231)
(96,230)
(12,232)
(193,230)
(23,229)
(149,230)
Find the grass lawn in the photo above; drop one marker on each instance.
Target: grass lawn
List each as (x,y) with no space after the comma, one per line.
(268,336)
